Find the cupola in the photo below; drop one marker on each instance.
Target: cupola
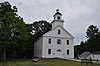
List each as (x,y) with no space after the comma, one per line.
(57,19)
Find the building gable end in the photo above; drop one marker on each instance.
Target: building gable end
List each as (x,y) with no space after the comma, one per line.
(53,32)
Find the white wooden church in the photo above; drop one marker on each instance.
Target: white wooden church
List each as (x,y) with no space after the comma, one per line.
(56,43)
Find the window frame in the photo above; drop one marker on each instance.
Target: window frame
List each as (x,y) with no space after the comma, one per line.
(58,41)
(67,42)
(49,51)
(49,40)
(67,52)
(59,32)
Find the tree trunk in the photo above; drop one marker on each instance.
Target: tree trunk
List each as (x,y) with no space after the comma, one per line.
(4,53)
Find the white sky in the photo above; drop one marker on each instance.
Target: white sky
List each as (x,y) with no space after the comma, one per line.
(78,14)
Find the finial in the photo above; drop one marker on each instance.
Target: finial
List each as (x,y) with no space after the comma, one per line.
(57,10)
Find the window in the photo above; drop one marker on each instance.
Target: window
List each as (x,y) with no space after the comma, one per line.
(49,51)
(58,31)
(58,41)
(67,52)
(67,42)
(58,17)
(49,41)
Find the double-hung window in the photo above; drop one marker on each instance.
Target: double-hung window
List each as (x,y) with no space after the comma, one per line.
(58,41)
(49,41)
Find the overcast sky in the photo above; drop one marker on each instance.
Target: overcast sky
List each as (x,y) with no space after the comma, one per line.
(77,14)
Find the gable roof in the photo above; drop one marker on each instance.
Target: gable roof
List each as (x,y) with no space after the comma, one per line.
(58,13)
(66,31)
(85,54)
(62,28)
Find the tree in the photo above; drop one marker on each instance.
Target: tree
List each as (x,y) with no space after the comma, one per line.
(92,43)
(12,29)
(93,40)
(92,32)
(37,29)
(79,49)
(76,51)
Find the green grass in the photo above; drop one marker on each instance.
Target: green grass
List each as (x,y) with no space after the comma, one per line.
(43,62)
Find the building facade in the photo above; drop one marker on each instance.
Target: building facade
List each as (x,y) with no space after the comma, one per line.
(56,43)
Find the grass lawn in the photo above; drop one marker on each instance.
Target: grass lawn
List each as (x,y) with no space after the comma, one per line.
(43,62)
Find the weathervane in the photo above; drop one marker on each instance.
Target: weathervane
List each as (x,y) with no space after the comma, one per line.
(57,10)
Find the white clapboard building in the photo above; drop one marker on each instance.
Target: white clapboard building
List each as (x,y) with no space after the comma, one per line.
(87,55)
(56,43)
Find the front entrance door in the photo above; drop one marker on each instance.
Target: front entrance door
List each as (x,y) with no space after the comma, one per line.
(58,54)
